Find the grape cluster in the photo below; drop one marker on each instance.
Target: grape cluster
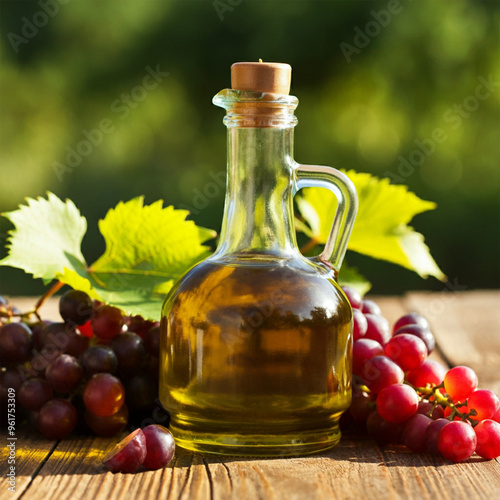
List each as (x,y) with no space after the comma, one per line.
(400,396)
(96,369)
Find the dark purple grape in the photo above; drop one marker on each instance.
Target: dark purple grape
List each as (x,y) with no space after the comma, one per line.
(432,434)
(76,307)
(64,373)
(15,343)
(10,378)
(63,337)
(34,393)
(36,330)
(41,360)
(139,325)
(131,353)
(57,418)
(108,426)
(99,359)
(160,447)
(361,405)
(107,322)
(383,432)
(414,432)
(140,393)
(152,341)
(430,410)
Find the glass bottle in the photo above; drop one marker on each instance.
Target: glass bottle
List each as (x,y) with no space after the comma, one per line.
(256,340)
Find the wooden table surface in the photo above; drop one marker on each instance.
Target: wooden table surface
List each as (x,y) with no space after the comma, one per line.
(467,329)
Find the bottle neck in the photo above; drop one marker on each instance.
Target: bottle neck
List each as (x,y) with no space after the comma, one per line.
(258,213)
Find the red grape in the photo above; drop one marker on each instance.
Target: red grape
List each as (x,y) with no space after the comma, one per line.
(411,319)
(378,329)
(414,432)
(57,418)
(432,434)
(128,455)
(408,351)
(421,332)
(397,403)
(359,324)
(370,307)
(430,372)
(380,372)
(86,329)
(457,441)
(107,322)
(34,393)
(108,426)
(460,382)
(64,373)
(485,402)
(362,351)
(160,447)
(488,439)
(496,416)
(353,296)
(103,394)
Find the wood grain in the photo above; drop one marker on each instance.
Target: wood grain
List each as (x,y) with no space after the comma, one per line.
(467,328)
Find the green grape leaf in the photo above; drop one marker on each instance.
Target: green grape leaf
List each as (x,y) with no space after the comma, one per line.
(381,229)
(47,237)
(147,249)
(350,276)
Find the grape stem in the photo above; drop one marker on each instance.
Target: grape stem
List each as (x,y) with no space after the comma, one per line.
(434,392)
(309,245)
(51,291)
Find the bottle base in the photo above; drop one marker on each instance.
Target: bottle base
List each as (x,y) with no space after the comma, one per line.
(257,445)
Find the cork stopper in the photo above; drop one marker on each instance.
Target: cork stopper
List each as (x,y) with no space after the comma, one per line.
(259,76)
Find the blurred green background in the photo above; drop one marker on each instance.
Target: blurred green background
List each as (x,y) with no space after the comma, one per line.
(370,85)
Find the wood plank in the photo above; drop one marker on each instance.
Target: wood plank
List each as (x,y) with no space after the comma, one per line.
(356,468)
(467,326)
(32,450)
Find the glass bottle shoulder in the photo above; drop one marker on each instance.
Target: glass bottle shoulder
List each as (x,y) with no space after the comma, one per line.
(295,286)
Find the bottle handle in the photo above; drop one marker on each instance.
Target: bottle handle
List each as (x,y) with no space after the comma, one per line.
(343,222)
